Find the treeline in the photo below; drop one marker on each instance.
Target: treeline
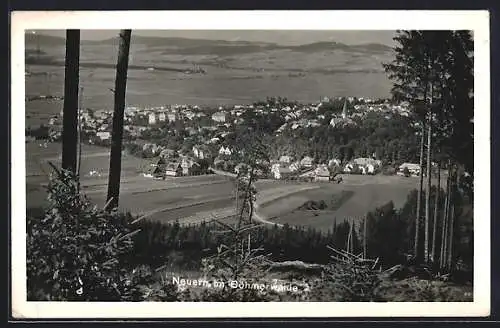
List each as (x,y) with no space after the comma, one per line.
(394,140)
(391,140)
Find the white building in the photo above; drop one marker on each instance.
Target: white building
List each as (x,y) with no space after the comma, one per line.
(285,159)
(152,118)
(306,162)
(171,117)
(104,135)
(219,117)
(413,169)
(225,151)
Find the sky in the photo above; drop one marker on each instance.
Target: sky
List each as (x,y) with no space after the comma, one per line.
(274,36)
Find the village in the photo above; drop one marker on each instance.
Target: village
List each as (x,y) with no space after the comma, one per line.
(184,140)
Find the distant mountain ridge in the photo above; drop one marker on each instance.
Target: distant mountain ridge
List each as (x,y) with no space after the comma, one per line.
(221,47)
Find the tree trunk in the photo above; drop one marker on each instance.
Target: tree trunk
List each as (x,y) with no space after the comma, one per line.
(70,109)
(435,219)
(444,231)
(348,244)
(429,182)
(365,249)
(452,220)
(419,195)
(79,163)
(119,107)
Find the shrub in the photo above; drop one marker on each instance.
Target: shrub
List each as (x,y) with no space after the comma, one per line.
(77,251)
(347,282)
(74,250)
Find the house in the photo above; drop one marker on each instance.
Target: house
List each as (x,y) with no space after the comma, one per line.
(369,169)
(313,123)
(275,166)
(157,161)
(200,152)
(280,172)
(162,117)
(173,169)
(351,168)
(194,169)
(363,161)
(155,168)
(189,115)
(369,164)
(322,173)
(104,135)
(219,117)
(294,166)
(171,117)
(285,159)
(186,164)
(167,153)
(335,121)
(341,121)
(152,118)
(306,162)
(225,151)
(153,172)
(413,169)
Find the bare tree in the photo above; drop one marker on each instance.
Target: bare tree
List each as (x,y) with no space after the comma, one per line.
(429,176)
(419,195)
(119,107)
(70,109)
(435,220)
(444,231)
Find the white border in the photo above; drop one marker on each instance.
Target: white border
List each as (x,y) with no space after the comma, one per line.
(477,21)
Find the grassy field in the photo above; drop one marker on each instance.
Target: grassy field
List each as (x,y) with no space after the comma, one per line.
(365,194)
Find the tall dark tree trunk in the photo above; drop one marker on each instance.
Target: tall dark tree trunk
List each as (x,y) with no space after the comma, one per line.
(429,181)
(436,211)
(444,231)
(365,249)
(419,195)
(453,196)
(70,109)
(79,162)
(119,107)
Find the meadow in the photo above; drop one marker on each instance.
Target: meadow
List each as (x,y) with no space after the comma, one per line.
(365,194)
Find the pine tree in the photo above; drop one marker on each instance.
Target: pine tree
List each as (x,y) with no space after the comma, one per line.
(443,61)
(410,74)
(119,107)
